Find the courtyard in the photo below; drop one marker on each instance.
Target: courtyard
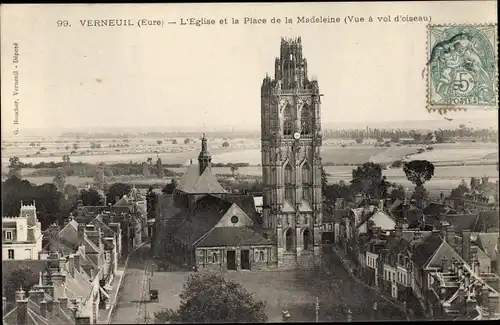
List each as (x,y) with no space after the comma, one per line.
(294,290)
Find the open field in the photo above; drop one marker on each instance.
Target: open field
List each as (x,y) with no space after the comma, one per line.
(248,151)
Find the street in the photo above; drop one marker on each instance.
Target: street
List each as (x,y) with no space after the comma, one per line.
(294,290)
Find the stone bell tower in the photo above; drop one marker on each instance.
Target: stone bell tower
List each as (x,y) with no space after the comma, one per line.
(291,162)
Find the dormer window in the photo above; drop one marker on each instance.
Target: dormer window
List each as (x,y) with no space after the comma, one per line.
(234,219)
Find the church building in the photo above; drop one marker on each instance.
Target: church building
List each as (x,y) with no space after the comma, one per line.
(291,162)
(202,226)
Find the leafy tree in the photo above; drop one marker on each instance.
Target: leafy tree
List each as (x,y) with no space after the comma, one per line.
(67,148)
(75,146)
(397,164)
(418,171)
(170,187)
(187,141)
(210,298)
(339,190)
(152,202)
(159,142)
(225,144)
(71,190)
(20,277)
(60,179)
(14,167)
(159,166)
(66,159)
(145,170)
(90,197)
(324,178)
(234,169)
(117,190)
(174,141)
(359,140)
(397,192)
(460,190)
(367,179)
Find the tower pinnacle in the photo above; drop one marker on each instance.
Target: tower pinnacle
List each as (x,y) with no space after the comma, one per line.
(204,158)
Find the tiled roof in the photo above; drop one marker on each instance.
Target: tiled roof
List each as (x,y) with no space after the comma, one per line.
(194,183)
(190,226)
(34,317)
(443,251)
(487,221)
(487,242)
(233,236)
(244,201)
(122,202)
(463,221)
(424,249)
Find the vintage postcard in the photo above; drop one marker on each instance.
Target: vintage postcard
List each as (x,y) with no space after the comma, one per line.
(244,163)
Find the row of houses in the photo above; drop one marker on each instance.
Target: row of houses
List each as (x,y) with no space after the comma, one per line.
(426,255)
(77,263)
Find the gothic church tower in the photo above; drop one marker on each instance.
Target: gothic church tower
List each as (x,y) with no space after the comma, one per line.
(291,162)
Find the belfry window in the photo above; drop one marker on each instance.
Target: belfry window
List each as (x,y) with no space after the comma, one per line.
(287,121)
(305,120)
(288,182)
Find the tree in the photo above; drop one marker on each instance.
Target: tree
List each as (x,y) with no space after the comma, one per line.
(159,166)
(145,170)
(418,171)
(90,197)
(367,179)
(187,141)
(225,144)
(71,190)
(174,141)
(65,159)
(152,202)
(210,298)
(117,190)
(234,169)
(359,140)
(170,187)
(397,164)
(324,178)
(397,192)
(60,179)
(14,167)
(460,190)
(67,148)
(20,277)
(75,146)
(159,142)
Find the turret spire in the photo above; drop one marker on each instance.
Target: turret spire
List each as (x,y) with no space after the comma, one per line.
(204,158)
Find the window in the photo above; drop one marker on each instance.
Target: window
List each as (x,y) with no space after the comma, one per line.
(10,254)
(234,219)
(8,235)
(305,119)
(27,254)
(261,256)
(288,182)
(287,121)
(257,255)
(289,240)
(214,257)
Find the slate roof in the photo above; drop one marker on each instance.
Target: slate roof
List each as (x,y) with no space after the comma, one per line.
(424,249)
(194,183)
(488,242)
(190,226)
(231,236)
(35,317)
(487,221)
(370,215)
(443,251)
(244,201)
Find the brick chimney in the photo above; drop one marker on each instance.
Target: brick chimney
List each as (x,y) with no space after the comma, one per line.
(82,320)
(56,307)
(20,294)
(466,246)
(43,308)
(484,180)
(71,264)
(53,234)
(76,258)
(36,295)
(22,312)
(398,230)
(58,282)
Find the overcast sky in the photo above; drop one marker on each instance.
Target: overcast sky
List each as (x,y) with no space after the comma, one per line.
(211,75)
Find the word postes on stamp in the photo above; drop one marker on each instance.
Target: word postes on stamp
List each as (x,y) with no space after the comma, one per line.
(462,67)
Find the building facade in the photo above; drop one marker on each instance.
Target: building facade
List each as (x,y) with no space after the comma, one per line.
(21,235)
(291,161)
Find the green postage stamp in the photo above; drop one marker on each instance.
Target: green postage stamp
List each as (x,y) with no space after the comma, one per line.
(462,67)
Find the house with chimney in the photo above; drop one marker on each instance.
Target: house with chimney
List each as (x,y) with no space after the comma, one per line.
(86,257)
(21,235)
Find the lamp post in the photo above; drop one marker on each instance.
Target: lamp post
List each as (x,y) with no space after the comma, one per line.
(349,315)
(317,309)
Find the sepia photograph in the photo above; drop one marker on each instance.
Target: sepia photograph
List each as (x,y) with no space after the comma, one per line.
(250,163)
